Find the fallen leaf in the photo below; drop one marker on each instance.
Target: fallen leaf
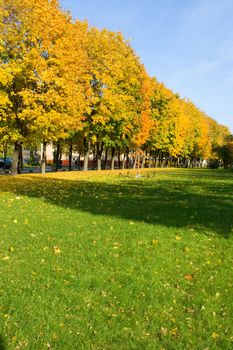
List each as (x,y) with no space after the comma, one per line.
(6,258)
(188,277)
(57,250)
(215,336)
(155,241)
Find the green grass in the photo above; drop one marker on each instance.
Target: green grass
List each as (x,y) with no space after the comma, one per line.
(106,262)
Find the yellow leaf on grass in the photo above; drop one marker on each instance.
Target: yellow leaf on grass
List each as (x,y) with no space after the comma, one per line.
(6,258)
(174,331)
(155,241)
(215,336)
(57,250)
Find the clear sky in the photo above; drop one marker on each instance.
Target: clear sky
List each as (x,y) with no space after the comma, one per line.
(186,44)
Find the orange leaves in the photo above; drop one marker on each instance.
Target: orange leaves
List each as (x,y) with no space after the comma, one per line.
(146,121)
(188,277)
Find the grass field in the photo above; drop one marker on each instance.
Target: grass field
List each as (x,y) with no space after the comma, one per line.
(108,262)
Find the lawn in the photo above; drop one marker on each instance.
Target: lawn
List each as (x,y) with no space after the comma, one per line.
(112,262)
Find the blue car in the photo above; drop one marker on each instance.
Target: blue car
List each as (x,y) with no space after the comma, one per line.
(5,164)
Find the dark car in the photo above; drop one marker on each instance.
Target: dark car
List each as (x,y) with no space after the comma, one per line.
(5,164)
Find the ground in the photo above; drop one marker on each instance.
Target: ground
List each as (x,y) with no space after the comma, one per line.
(105,261)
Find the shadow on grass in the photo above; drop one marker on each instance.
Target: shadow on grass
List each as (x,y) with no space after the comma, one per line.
(2,344)
(182,200)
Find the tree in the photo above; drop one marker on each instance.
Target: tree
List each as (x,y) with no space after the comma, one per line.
(225,152)
(115,81)
(40,56)
(169,122)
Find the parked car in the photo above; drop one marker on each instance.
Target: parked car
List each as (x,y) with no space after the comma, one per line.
(5,164)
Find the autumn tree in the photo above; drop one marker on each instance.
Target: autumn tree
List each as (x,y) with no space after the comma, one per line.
(43,58)
(169,122)
(115,81)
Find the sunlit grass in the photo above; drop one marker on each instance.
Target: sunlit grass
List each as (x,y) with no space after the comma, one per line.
(102,261)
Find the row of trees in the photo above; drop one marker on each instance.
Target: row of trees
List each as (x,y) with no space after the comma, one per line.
(63,81)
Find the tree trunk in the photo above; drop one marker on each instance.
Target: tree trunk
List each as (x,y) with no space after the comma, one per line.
(4,151)
(135,162)
(99,163)
(123,163)
(157,159)
(148,157)
(99,151)
(78,162)
(94,157)
(160,160)
(57,157)
(127,158)
(15,159)
(119,160)
(106,159)
(143,162)
(4,154)
(87,146)
(70,156)
(43,157)
(20,162)
(113,159)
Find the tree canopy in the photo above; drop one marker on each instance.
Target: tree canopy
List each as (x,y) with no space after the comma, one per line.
(62,80)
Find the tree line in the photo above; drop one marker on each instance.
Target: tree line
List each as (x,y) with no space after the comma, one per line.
(65,82)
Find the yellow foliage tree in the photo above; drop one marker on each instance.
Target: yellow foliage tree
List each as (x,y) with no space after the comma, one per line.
(43,58)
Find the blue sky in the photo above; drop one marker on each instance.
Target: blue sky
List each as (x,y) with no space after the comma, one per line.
(186,44)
